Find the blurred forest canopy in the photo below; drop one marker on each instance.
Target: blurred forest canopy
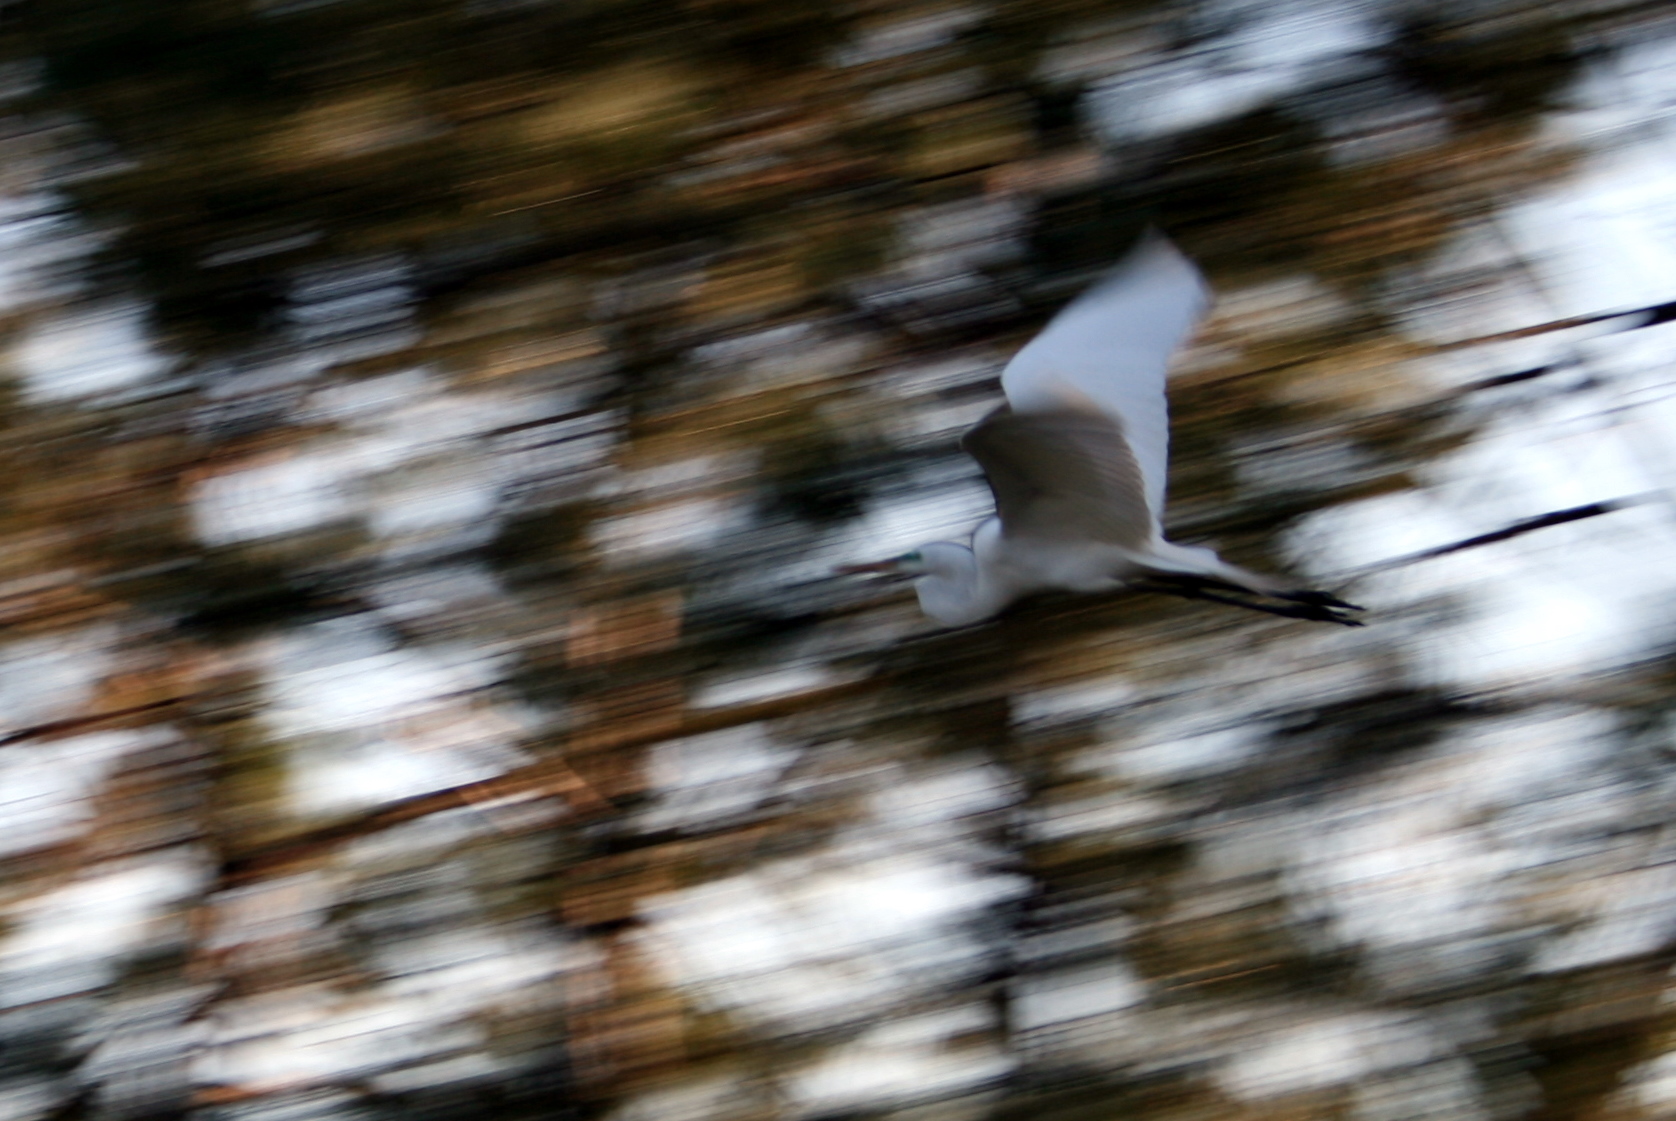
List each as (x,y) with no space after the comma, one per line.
(484,138)
(430,429)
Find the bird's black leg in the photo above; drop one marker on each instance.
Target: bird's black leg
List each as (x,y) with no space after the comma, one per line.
(1315,606)
(1307,596)
(1185,580)
(1318,599)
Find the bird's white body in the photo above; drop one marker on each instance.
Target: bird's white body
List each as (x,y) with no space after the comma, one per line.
(960,584)
(1078,457)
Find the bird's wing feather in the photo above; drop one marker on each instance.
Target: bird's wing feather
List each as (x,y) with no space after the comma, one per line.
(1066,475)
(1111,347)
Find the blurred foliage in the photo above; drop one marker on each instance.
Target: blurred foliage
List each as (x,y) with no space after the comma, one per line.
(755,263)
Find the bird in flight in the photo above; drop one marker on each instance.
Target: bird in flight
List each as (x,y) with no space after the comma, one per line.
(1077,459)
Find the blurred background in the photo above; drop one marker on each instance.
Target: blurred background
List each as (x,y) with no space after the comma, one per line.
(430,430)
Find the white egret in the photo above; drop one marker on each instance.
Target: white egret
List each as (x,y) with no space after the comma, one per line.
(1077,459)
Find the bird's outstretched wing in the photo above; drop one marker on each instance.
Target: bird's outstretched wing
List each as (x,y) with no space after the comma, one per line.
(1063,475)
(1111,347)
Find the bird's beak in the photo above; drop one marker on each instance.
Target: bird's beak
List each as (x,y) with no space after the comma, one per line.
(885,567)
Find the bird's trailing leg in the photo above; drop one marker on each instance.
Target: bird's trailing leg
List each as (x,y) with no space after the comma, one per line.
(1317,599)
(1316,606)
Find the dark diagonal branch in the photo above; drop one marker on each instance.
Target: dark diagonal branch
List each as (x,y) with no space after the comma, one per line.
(1516,529)
(1649,316)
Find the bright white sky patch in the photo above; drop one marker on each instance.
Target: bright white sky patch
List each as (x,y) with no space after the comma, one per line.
(341,777)
(1629,914)
(1075,700)
(454,491)
(300,492)
(301,1037)
(368,722)
(23,1099)
(278,908)
(1522,759)
(75,937)
(954,238)
(1537,605)
(51,677)
(901,1061)
(703,780)
(1108,811)
(698,1099)
(364,691)
(1178,94)
(429,987)
(1274,50)
(1053,999)
(1629,89)
(1168,755)
(474,965)
(1604,240)
(35,235)
(662,480)
(761,686)
(897,524)
(436,590)
(956,788)
(1607,239)
(82,353)
(801,944)
(891,38)
(881,914)
(46,787)
(1411,885)
(1421,871)
(352,310)
(1653,1083)
(670,529)
(1330,1051)
(412,463)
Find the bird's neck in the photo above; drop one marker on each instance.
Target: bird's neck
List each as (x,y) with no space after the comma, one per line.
(955,589)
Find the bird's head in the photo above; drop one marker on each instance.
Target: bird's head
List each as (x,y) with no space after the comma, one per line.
(951,587)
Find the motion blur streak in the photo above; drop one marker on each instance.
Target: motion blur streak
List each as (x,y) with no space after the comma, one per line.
(431,430)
